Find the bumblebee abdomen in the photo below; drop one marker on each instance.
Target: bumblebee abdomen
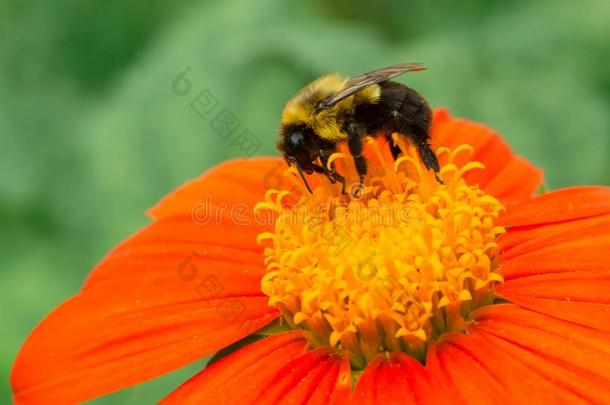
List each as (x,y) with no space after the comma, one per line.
(399,109)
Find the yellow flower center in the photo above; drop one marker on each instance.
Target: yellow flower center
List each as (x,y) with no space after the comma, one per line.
(387,267)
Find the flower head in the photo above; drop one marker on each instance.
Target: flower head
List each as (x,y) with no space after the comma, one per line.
(405,290)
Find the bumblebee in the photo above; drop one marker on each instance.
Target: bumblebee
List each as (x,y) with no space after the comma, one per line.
(332,109)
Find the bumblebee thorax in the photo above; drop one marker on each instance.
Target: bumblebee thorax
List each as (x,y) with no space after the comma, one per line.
(328,122)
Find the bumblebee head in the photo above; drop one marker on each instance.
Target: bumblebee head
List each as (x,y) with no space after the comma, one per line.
(298,145)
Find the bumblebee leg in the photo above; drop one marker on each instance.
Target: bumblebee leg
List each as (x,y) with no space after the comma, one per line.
(428,156)
(354,143)
(430,160)
(420,138)
(331,172)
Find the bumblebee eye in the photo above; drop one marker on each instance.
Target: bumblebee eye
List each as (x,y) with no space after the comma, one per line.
(299,144)
(296,140)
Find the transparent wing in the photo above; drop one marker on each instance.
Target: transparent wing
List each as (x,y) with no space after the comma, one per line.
(358,83)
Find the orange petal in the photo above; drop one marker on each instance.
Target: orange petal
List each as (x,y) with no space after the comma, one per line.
(183,287)
(581,296)
(556,242)
(209,219)
(560,269)
(525,239)
(276,368)
(234,181)
(561,205)
(517,180)
(246,369)
(576,286)
(126,332)
(574,358)
(588,254)
(316,377)
(398,378)
(335,386)
(506,176)
(464,380)
(502,371)
(181,247)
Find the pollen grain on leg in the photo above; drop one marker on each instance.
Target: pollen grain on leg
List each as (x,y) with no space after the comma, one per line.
(391,270)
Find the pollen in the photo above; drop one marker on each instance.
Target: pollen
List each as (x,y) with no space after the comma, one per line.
(391,264)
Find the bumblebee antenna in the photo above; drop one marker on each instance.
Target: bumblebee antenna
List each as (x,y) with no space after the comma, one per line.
(303,177)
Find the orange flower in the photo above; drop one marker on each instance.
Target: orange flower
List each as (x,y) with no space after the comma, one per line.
(407,291)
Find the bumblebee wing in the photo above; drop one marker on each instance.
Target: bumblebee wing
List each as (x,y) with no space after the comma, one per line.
(355,84)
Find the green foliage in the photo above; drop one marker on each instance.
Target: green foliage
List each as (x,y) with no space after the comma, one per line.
(92,135)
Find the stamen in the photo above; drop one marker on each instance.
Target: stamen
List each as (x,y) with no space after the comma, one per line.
(333,157)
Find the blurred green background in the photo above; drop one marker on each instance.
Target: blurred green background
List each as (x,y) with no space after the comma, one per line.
(91,134)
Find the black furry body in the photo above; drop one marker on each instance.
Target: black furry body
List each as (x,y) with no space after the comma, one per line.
(400,110)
